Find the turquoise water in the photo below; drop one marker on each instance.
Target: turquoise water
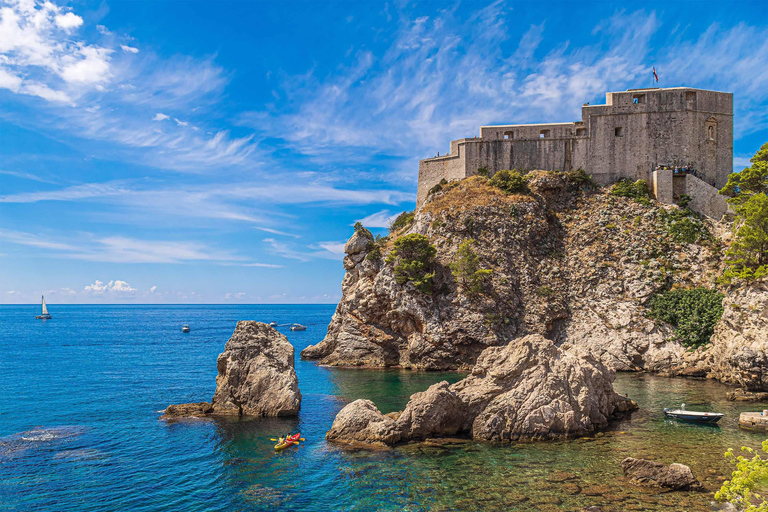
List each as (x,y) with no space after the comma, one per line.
(79,428)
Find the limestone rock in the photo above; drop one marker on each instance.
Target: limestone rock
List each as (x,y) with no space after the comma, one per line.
(256,377)
(361,422)
(195,410)
(529,389)
(742,395)
(574,267)
(256,374)
(649,473)
(357,243)
(739,347)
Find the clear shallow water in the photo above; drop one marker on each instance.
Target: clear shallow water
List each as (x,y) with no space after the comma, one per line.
(79,428)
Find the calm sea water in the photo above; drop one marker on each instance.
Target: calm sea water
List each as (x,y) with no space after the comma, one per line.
(79,428)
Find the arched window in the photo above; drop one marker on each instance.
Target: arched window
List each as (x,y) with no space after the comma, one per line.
(712,129)
(509,135)
(711,132)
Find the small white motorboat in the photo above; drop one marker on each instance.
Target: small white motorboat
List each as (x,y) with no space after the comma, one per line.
(298,327)
(693,416)
(185,328)
(273,324)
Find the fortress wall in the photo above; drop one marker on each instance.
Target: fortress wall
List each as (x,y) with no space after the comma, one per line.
(705,198)
(527,131)
(431,171)
(663,187)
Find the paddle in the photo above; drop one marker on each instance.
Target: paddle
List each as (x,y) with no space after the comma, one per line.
(273,439)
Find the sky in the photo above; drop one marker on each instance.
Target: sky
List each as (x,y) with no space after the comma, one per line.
(220,152)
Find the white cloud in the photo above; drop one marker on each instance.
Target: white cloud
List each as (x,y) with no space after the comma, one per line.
(335,248)
(380,219)
(89,66)
(68,21)
(180,123)
(9,81)
(11,292)
(129,49)
(117,286)
(153,289)
(160,117)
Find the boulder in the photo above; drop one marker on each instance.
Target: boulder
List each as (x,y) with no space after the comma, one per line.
(649,473)
(194,410)
(361,422)
(256,377)
(357,243)
(530,389)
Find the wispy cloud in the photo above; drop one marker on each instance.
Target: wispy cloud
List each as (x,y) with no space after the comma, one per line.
(380,219)
(118,249)
(327,250)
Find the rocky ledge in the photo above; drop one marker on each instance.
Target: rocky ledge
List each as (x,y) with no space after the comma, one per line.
(654,474)
(527,390)
(256,377)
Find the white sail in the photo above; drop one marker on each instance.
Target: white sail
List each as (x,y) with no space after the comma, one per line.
(45,308)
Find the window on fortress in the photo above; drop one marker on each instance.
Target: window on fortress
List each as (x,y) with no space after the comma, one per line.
(509,135)
(543,134)
(638,99)
(618,131)
(711,132)
(580,132)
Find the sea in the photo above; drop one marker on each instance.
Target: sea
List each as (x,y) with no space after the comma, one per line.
(81,397)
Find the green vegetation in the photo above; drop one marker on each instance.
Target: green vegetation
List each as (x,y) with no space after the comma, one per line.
(511,182)
(580,179)
(483,171)
(684,200)
(637,190)
(693,313)
(466,269)
(544,291)
(414,258)
(438,187)
(749,473)
(402,221)
(684,225)
(747,258)
(359,228)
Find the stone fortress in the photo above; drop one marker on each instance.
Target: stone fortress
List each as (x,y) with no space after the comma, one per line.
(633,135)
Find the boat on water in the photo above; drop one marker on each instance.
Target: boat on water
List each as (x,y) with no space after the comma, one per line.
(44,315)
(185,328)
(273,324)
(287,441)
(298,327)
(693,416)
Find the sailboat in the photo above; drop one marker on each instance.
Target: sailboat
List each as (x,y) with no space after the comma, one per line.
(44,315)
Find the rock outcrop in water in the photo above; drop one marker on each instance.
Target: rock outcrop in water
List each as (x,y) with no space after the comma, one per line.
(256,377)
(649,473)
(529,389)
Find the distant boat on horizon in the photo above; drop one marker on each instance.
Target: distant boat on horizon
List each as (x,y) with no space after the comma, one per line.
(44,315)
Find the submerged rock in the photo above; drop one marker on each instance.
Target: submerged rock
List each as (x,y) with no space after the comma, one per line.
(649,473)
(530,389)
(256,377)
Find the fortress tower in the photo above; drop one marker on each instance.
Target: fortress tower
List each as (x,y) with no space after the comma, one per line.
(628,137)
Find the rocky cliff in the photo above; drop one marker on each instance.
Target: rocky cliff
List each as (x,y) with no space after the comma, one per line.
(256,377)
(573,265)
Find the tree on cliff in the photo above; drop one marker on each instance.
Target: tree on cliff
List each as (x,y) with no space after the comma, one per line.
(414,258)
(752,180)
(748,256)
(466,268)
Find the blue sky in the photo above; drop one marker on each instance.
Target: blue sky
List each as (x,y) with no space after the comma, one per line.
(219,152)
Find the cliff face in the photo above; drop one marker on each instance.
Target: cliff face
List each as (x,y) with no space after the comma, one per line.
(571,265)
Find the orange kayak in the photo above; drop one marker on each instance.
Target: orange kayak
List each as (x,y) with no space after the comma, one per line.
(287,442)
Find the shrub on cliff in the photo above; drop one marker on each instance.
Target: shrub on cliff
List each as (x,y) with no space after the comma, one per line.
(466,269)
(402,221)
(359,228)
(749,474)
(637,190)
(511,182)
(414,258)
(438,187)
(684,225)
(580,179)
(693,313)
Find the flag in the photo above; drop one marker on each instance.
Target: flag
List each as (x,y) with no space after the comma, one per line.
(654,74)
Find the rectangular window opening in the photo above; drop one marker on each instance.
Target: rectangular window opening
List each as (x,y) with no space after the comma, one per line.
(544,134)
(509,135)
(638,99)
(580,132)
(618,131)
